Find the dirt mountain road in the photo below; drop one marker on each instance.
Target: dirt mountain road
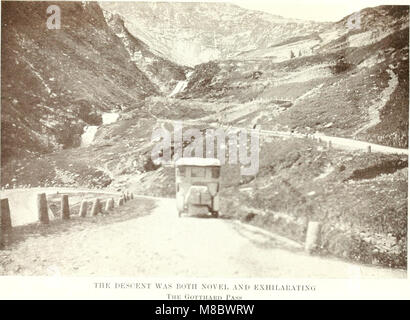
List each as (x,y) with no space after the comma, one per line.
(348,144)
(161,244)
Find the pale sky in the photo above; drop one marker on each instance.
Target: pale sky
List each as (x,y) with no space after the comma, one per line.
(318,10)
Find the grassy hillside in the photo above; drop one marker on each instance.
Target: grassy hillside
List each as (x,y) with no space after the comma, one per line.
(353,86)
(360,199)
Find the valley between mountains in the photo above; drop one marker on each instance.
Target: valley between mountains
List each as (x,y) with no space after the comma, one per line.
(213,65)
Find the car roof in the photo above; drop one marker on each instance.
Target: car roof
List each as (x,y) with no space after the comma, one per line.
(199,162)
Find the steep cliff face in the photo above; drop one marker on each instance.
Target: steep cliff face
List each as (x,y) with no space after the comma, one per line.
(54,82)
(161,72)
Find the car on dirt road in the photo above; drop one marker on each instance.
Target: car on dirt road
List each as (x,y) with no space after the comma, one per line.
(197,186)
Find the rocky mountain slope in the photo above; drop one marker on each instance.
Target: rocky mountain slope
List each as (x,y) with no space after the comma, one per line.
(297,67)
(162,72)
(192,33)
(54,82)
(353,83)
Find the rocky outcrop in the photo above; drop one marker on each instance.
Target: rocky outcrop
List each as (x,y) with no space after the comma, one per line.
(163,73)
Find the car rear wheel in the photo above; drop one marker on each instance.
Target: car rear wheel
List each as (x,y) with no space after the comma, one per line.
(215,214)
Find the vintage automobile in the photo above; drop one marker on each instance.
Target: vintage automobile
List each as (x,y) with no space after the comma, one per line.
(197,186)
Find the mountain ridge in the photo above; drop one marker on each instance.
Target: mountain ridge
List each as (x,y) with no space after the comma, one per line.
(205,31)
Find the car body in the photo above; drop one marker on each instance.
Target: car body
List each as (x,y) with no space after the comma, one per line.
(197,185)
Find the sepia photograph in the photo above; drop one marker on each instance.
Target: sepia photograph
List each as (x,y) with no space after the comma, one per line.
(230,140)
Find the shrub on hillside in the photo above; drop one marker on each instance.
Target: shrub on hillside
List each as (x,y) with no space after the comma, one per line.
(341,66)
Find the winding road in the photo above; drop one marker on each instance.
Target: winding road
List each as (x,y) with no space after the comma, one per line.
(158,243)
(336,142)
